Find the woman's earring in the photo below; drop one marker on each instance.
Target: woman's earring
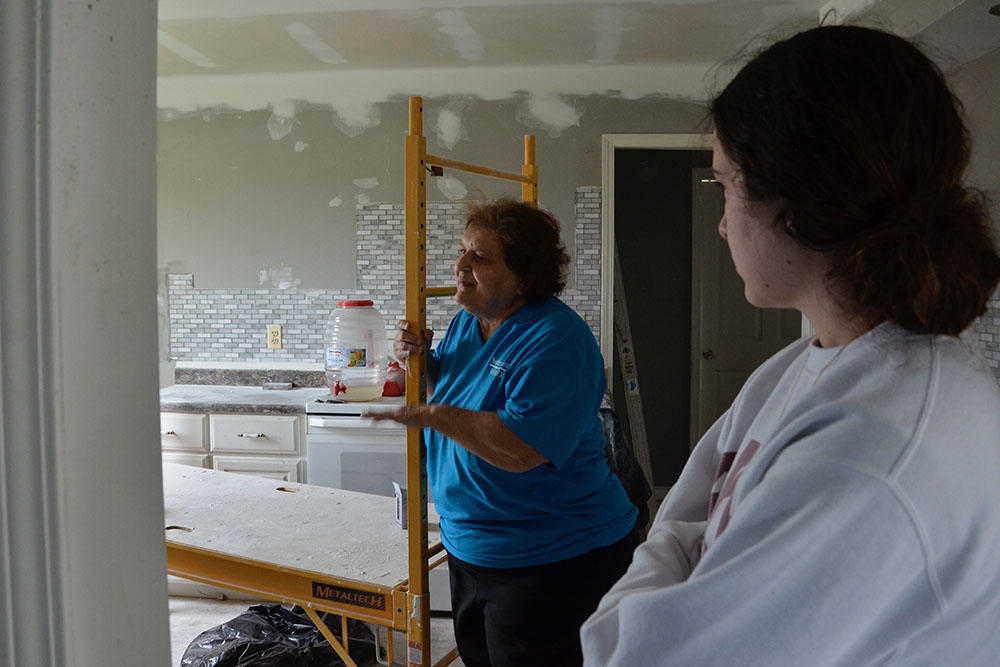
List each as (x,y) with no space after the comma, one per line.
(789,225)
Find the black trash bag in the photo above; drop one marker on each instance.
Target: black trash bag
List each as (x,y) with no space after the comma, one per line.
(271,635)
(623,463)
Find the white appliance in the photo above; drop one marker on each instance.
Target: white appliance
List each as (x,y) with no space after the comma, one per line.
(345,450)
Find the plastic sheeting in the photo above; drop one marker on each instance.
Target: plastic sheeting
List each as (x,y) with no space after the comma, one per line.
(623,463)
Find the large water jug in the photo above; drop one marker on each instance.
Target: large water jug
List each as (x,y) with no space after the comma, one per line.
(356,351)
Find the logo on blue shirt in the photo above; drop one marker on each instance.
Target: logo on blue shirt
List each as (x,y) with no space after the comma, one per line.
(498,368)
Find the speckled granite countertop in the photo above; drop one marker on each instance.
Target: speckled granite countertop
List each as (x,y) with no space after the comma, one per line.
(218,398)
(249,377)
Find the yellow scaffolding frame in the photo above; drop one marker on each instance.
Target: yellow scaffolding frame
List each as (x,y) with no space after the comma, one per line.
(402,605)
(220,549)
(418,161)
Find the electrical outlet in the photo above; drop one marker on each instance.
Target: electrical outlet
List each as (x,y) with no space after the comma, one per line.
(274,336)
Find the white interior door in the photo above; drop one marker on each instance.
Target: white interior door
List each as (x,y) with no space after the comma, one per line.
(732,337)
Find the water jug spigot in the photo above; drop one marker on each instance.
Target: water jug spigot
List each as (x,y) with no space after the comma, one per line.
(338,388)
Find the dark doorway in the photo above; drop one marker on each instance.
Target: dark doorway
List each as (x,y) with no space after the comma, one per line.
(653,228)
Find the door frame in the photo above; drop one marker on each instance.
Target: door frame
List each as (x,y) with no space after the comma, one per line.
(610,143)
(672,141)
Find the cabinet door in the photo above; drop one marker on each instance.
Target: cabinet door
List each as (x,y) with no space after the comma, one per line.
(287,470)
(257,434)
(182,431)
(186,459)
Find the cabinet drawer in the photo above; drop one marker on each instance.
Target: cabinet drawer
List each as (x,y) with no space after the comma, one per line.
(256,434)
(288,470)
(181,431)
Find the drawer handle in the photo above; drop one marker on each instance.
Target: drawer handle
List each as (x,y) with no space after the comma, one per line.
(250,435)
(168,432)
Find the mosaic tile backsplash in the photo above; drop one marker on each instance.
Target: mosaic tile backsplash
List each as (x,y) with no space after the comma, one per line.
(988,328)
(229,325)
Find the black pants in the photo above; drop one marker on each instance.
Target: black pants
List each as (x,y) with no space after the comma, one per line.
(526,616)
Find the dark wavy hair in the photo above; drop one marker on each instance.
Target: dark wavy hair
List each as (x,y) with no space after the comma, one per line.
(531,244)
(856,132)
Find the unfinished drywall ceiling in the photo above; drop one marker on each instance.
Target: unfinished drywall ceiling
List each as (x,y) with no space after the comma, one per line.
(350,55)
(952,32)
(251,55)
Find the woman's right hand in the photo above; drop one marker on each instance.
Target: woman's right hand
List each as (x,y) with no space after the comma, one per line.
(406,342)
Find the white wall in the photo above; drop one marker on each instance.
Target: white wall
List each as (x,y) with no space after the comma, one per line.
(977,84)
(82,562)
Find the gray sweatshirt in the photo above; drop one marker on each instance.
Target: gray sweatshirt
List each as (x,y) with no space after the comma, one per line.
(844,511)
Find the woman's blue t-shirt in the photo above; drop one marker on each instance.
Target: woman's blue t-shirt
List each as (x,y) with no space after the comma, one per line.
(541,371)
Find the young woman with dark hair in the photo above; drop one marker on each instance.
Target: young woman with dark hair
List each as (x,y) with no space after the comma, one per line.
(845,510)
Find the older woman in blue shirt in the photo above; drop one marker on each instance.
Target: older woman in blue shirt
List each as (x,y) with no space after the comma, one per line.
(536,525)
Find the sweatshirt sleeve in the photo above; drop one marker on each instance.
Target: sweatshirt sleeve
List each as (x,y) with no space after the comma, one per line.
(673,546)
(822,559)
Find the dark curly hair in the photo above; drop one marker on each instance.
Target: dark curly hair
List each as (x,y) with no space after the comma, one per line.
(856,132)
(531,244)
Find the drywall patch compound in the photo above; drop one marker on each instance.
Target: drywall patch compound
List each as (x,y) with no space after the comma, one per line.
(449,126)
(551,113)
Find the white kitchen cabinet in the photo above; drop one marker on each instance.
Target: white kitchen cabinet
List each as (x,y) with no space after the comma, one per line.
(184,432)
(280,435)
(260,445)
(287,470)
(186,459)
(247,443)
(184,439)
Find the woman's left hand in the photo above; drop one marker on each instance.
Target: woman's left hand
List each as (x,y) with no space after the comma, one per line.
(415,416)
